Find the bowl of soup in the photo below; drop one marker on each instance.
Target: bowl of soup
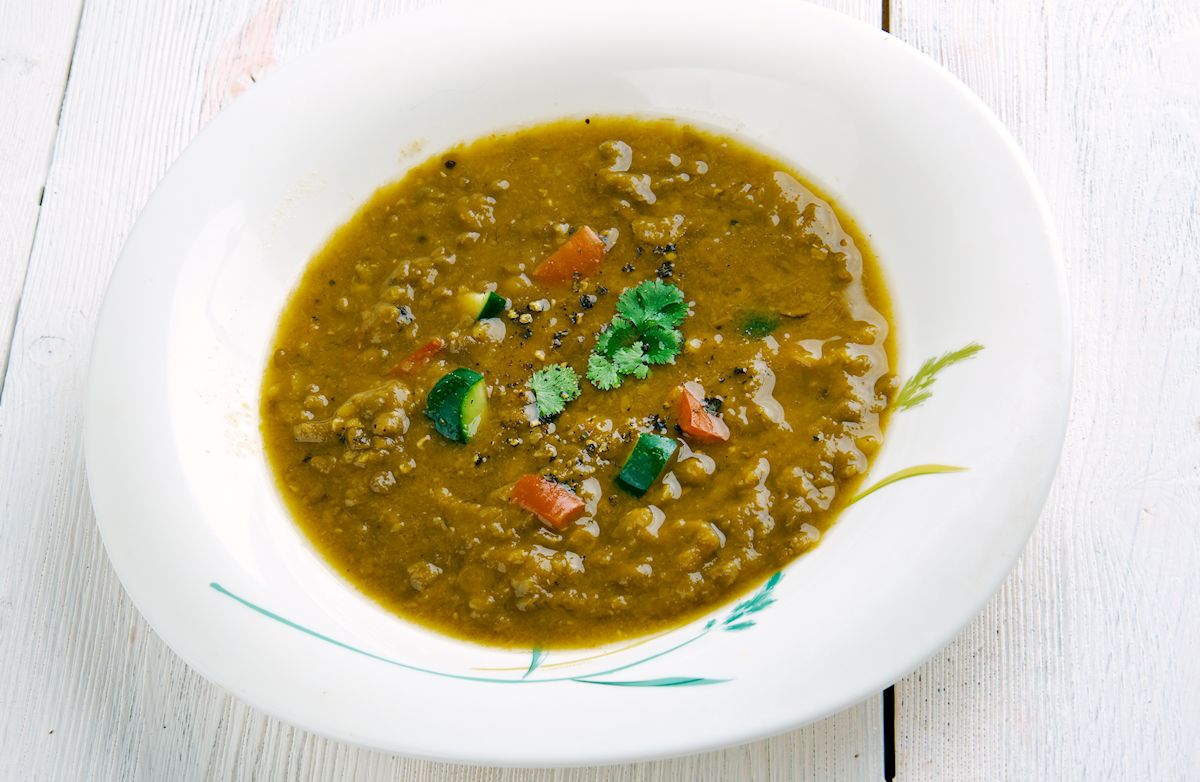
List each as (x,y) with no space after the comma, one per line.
(567,397)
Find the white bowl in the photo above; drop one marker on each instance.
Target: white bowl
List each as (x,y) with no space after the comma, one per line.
(205,548)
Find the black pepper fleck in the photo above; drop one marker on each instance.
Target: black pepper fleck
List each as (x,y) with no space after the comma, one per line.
(739,370)
(450,164)
(587,301)
(665,269)
(663,249)
(601,290)
(713,404)
(627,268)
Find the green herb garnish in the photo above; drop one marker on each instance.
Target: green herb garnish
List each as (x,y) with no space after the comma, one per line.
(553,387)
(644,332)
(603,372)
(662,344)
(757,325)
(632,360)
(916,390)
(653,303)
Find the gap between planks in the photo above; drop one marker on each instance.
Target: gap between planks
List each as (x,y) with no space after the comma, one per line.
(9,329)
(124,705)
(889,694)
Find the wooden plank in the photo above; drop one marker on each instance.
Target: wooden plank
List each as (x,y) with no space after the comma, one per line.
(86,690)
(36,42)
(1083,666)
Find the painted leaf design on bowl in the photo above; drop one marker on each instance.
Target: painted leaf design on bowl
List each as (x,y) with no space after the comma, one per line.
(917,389)
(760,600)
(913,393)
(907,472)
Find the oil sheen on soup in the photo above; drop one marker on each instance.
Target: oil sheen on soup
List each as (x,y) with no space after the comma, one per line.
(579,382)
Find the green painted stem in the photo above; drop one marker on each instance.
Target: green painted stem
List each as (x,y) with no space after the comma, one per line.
(907,472)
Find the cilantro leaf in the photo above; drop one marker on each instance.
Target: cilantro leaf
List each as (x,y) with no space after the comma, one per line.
(602,372)
(662,344)
(631,361)
(629,306)
(617,334)
(653,303)
(553,387)
(642,333)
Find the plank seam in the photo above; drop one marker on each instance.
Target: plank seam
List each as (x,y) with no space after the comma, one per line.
(6,358)
(889,694)
(889,733)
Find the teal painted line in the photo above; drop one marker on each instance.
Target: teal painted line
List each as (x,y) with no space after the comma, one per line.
(308,631)
(461,677)
(627,666)
(535,659)
(671,681)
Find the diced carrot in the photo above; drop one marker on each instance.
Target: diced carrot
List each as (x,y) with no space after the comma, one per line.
(580,255)
(553,503)
(418,358)
(697,423)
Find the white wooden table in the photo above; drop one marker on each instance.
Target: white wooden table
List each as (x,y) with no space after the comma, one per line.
(1086,665)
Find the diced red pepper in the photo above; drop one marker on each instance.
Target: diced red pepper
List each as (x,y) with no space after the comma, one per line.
(553,503)
(580,255)
(697,422)
(418,358)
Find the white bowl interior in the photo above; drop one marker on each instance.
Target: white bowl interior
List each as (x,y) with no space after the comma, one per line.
(923,169)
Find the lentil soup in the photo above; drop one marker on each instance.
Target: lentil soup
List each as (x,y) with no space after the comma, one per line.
(579,382)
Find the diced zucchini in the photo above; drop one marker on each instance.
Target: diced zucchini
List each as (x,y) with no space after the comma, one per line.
(456,404)
(488,304)
(649,458)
